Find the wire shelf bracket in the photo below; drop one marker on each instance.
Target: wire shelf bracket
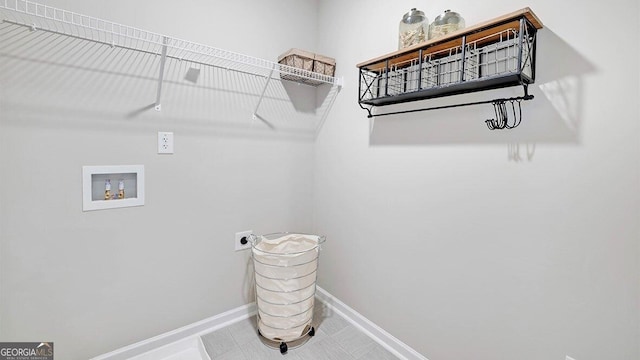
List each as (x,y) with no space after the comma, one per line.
(163,60)
(264,90)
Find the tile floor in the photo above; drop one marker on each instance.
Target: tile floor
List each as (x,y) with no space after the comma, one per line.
(335,339)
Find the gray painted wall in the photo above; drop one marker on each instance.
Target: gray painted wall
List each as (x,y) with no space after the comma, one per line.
(441,238)
(96,281)
(435,232)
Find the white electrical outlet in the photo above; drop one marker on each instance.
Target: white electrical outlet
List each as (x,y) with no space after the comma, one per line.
(165,142)
(239,242)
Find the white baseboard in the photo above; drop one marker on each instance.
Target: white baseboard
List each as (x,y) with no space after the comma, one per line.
(188,348)
(192,330)
(174,340)
(388,341)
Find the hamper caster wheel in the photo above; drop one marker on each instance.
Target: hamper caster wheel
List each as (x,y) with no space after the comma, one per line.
(312,332)
(283,348)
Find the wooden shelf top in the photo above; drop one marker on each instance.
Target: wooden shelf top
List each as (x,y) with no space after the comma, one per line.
(454,39)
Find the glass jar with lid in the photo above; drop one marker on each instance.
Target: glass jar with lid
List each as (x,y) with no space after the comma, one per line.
(413,29)
(445,23)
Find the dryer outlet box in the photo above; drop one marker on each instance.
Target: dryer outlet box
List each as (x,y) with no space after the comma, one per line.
(241,244)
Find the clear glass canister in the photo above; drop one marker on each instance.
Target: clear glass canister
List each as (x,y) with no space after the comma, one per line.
(414,28)
(445,23)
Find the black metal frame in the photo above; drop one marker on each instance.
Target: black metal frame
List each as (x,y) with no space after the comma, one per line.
(526,37)
(524,97)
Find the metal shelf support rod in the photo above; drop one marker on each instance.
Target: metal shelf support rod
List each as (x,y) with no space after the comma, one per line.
(420,70)
(163,60)
(531,43)
(520,43)
(386,78)
(464,58)
(264,90)
(361,78)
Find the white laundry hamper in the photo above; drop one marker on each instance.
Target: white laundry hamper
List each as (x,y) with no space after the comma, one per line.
(285,266)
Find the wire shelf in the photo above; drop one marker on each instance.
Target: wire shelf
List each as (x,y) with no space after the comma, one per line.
(71,63)
(44,17)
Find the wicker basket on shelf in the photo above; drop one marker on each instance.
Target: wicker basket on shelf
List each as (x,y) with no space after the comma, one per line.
(307,61)
(324,65)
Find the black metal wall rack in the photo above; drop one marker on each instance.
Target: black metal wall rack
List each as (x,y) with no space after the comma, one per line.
(497,53)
